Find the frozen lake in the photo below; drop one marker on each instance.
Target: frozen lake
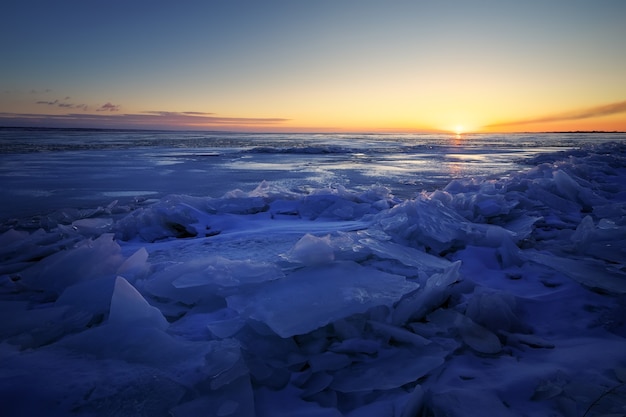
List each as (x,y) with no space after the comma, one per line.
(186,274)
(46,170)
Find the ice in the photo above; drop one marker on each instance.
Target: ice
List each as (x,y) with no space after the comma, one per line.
(415,403)
(235,400)
(49,383)
(357,345)
(380,409)
(420,303)
(204,280)
(407,255)
(286,403)
(171,217)
(128,306)
(476,336)
(93,226)
(521,226)
(342,204)
(425,223)
(312,250)
(136,266)
(590,272)
(318,295)
(353,283)
(92,296)
(398,334)
(469,403)
(329,361)
(38,327)
(224,323)
(89,259)
(603,240)
(224,273)
(567,187)
(516,339)
(389,370)
(495,311)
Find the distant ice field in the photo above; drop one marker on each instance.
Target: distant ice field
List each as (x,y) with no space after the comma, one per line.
(46,170)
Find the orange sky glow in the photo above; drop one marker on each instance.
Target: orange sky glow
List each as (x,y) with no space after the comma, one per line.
(350,66)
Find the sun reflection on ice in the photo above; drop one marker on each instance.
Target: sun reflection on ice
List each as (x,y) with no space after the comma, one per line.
(458,134)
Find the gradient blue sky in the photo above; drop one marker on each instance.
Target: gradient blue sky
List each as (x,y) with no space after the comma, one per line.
(315,65)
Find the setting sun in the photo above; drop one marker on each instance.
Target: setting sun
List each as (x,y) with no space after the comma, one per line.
(458,129)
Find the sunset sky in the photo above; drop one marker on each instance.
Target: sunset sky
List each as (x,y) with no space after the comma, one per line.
(315,66)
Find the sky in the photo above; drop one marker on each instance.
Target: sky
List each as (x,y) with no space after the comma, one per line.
(315,66)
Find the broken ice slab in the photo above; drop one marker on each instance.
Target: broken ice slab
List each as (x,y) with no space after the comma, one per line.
(287,403)
(311,250)
(535,342)
(588,272)
(315,296)
(469,403)
(604,241)
(214,364)
(89,259)
(128,306)
(32,328)
(91,296)
(198,324)
(476,336)
(223,273)
(522,226)
(93,226)
(425,223)
(406,255)
(398,334)
(435,292)
(234,400)
(391,369)
(494,311)
(202,278)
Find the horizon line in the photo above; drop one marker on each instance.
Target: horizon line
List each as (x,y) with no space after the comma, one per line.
(356,132)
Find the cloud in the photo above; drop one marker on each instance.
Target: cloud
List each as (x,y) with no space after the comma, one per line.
(63,104)
(175,113)
(48,103)
(200,118)
(145,120)
(588,113)
(108,107)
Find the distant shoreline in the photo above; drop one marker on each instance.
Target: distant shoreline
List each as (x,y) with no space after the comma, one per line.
(107,129)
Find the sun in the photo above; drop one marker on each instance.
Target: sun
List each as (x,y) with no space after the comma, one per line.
(459,129)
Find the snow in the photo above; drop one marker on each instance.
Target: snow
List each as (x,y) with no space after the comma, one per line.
(499,294)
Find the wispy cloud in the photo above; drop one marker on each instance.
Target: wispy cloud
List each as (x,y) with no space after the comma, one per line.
(176,113)
(65,104)
(145,120)
(108,107)
(201,118)
(49,103)
(196,113)
(590,112)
